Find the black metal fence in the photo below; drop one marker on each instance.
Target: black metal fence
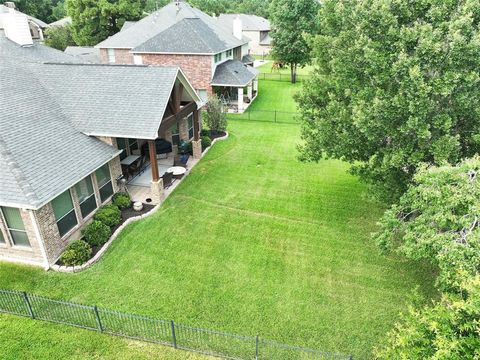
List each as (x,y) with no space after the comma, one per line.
(267,115)
(281,77)
(165,332)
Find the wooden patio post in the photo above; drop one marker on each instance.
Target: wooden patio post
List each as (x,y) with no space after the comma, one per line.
(196,125)
(152,150)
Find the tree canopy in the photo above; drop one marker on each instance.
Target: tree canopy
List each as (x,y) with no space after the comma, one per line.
(292,20)
(447,330)
(396,84)
(438,219)
(59,37)
(94,21)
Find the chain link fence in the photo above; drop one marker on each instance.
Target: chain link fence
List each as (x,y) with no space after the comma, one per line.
(281,77)
(275,116)
(165,332)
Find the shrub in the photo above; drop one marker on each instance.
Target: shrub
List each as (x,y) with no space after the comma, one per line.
(215,118)
(77,253)
(204,132)
(109,215)
(206,142)
(96,233)
(122,200)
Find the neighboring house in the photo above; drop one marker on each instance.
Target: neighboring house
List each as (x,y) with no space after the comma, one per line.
(178,34)
(86,53)
(62,22)
(64,128)
(254,27)
(36,26)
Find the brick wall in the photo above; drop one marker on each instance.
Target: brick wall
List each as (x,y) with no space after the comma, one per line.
(47,225)
(122,56)
(197,68)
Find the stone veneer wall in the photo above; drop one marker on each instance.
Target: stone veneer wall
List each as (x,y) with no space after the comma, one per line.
(197,68)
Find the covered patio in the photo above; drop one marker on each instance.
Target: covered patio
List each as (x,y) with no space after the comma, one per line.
(236,85)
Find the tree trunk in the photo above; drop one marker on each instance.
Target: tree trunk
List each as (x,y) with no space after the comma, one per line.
(293,73)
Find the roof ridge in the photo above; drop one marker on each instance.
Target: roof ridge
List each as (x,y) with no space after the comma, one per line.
(17,173)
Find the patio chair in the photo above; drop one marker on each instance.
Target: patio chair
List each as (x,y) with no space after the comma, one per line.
(167,179)
(137,167)
(181,160)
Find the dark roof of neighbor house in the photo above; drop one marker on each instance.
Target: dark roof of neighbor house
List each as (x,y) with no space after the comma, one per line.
(248,59)
(48,111)
(249,22)
(193,32)
(233,73)
(86,53)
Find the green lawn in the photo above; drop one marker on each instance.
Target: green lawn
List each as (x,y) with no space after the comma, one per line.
(267,68)
(252,242)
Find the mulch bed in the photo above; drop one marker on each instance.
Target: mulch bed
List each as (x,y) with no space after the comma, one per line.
(126,214)
(217,134)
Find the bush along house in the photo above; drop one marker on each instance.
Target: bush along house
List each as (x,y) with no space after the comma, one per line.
(65,128)
(214,57)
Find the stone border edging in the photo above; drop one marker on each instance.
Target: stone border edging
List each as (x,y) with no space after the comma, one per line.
(98,255)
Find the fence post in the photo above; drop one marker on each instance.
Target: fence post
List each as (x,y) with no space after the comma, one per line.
(174,338)
(97,317)
(29,306)
(256,347)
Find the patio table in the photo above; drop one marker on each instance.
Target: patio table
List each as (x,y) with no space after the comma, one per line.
(129,160)
(177,170)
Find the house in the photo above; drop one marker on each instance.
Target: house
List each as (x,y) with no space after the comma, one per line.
(36,26)
(209,53)
(65,128)
(255,28)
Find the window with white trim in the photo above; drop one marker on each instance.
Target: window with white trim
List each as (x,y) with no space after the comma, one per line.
(111,55)
(86,196)
(104,181)
(202,93)
(15,226)
(229,53)
(218,57)
(175,134)
(64,212)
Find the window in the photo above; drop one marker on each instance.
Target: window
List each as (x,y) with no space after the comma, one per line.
(202,93)
(64,212)
(86,196)
(122,145)
(218,57)
(229,53)
(111,55)
(133,145)
(15,226)
(190,126)
(104,182)
(175,134)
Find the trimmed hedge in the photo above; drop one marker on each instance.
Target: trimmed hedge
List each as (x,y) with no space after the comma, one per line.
(110,215)
(122,200)
(77,253)
(96,233)
(206,142)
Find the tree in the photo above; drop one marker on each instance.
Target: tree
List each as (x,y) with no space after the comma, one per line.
(292,20)
(214,117)
(447,330)
(59,37)
(40,9)
(93,21)
(438,219)
(395,84)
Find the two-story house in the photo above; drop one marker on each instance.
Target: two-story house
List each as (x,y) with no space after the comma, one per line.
(209,53)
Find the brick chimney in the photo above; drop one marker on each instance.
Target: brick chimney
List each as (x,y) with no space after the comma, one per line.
(237,27)
(15,25)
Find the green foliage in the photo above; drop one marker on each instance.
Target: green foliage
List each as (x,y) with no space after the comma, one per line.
(205,132)
(215,118)
(437,219)
(256,7)
(206,142)
(76,253)
(292,21)
(96,233)
(46,10)
(395,84)
(110,215)
(447,330)
(122,200)
(93,21)
(59,37)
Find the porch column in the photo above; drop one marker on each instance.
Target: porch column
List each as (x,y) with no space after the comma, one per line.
(250,91)
(196,143)
(240,99)
(255,84)
(156,186)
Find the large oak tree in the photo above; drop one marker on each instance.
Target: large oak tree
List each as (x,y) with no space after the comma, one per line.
(396,83)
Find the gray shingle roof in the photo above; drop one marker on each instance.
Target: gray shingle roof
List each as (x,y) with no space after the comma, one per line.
(38,22)
(41,152)
(249,22)
(127,24)
(199,33)
(86,53)
(233,73)
(62,22)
